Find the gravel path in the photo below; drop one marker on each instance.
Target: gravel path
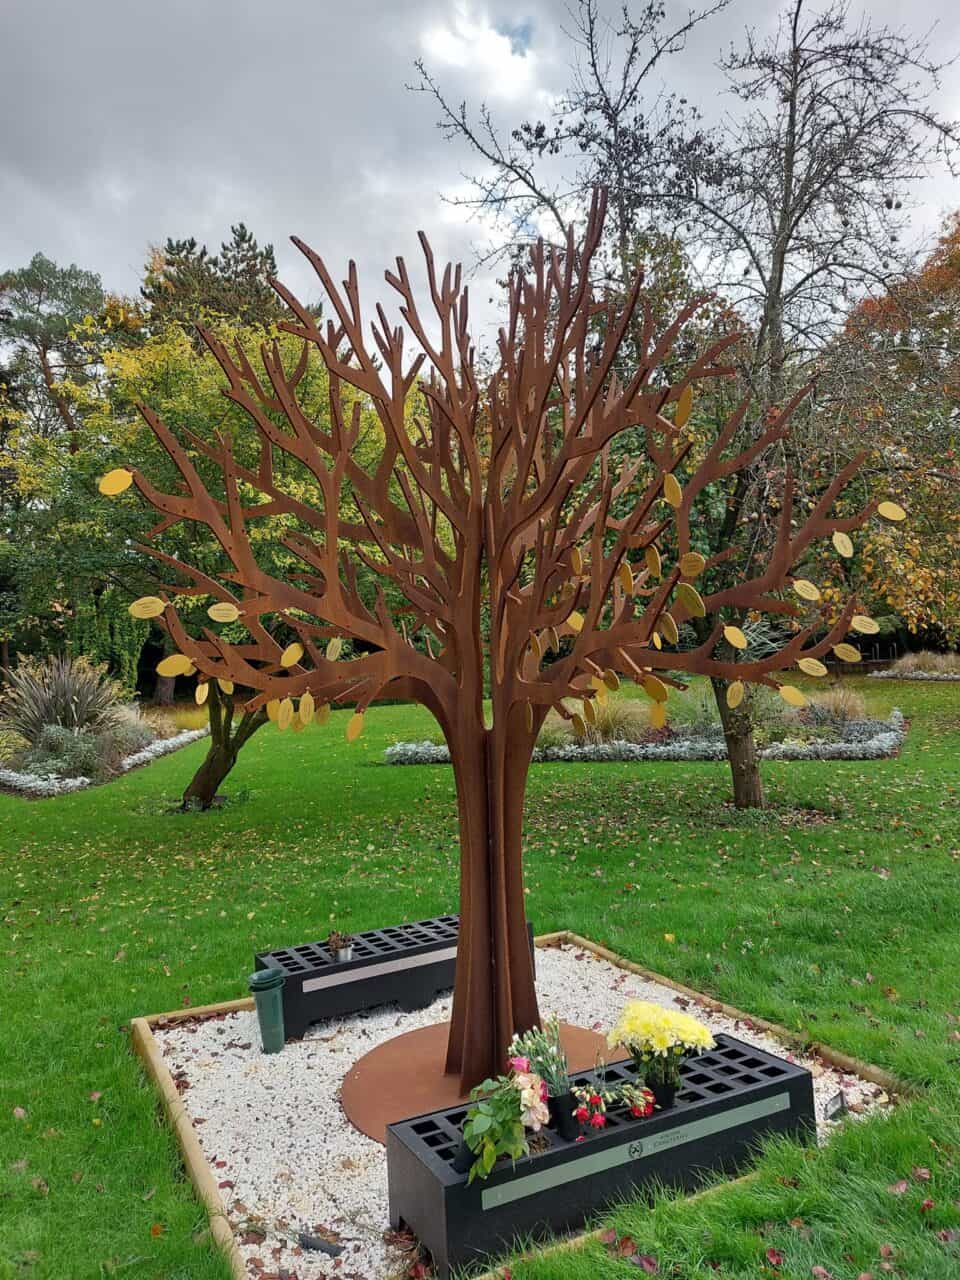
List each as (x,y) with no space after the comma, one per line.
(286,1158)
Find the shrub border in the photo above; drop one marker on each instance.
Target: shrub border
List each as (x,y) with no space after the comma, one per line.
(937,677)
(41,786)
(205,1184)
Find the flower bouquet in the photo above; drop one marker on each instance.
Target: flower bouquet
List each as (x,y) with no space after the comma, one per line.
(658,1040)
(542,1048)
(503,1111)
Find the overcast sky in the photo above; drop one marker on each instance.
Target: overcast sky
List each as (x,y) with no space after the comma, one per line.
(127,121)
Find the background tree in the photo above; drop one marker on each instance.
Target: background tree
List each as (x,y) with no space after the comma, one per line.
(497,501)
(796,204)
(184,282)
(891,380)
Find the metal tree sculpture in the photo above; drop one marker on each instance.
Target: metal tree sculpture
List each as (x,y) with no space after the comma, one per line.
(522,556)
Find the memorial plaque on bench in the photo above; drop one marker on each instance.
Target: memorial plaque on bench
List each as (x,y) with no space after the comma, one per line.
(730,1097)
(407,963)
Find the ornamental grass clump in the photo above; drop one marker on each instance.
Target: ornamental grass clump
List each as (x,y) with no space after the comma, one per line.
(658,1040)
(71,693)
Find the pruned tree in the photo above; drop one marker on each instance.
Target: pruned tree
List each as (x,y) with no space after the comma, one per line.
(499,502)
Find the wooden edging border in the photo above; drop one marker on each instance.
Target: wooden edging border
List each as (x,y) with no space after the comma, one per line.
(205,1184)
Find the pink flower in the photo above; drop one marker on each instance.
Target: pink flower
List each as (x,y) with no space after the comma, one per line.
(595,1100)
(519,1064)
(582,1114)
(598,1120)
(544,1092)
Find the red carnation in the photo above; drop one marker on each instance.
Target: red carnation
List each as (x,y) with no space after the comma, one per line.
(598,1120)
(582,1114)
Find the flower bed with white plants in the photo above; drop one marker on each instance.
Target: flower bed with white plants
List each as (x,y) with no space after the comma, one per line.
(38,784)
(306,1193)
(943,676)
(864,740)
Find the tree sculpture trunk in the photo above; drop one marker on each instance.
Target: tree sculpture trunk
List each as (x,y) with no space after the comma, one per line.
(494,995)
(225,745)
(741,749)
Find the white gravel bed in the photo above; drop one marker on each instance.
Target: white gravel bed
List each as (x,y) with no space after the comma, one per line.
(288,1161)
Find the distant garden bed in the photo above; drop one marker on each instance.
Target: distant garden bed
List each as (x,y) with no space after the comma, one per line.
(923,665)
(865,739)
(65,725)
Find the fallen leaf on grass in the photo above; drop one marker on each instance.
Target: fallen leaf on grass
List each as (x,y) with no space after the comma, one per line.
(821,1273)
(920,1173)
(774,1257)
(898,1188)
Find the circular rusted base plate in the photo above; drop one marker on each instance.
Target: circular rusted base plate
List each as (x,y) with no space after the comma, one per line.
(405,1076)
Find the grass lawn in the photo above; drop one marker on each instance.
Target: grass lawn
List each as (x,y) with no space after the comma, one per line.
(835,912)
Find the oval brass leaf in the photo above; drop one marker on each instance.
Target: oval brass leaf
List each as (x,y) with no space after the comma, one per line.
(225,685)
(306,708)
(354,726)
(735,637)
(589,711)
(792,695)
(843,544)
(806,589)
(625,574)
(652,558)
(147,607)
(177,664)
(333,649)
(201,692)
(576,561)
(735,694)
(115,482)
(291,654)
(891,511)
(575,622)
(847,652)
(691,599)
(323,713)
(692,564)
(865,625)
(684,407)
(668,626)
(285,714)
(579,725)
(655,689)
(811,666)
(273,709)
(657,641)
(223,611)
(671,489)
(611,679)
(658,715)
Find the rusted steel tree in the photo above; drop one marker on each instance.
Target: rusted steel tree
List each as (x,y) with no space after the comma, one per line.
(522,553)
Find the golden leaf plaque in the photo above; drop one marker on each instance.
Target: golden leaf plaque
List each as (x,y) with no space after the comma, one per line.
(307,707)
(177,664)
(692,564)
(792,695)
(611,679)
(333,649)
(579,725)
(223,611)
(735,694)
(734,636)
(671,489)
(684,407)
(658,715)
(652,558)
(691,599)
(891,511)
(865,625)
(355,726)
(147,607)
(576,561)
(843,544)
(285,714)
(668,626)
(115,482)
(273,709)
(625,574)
(806,589)
(847,652)
(291,654)
(655,689)
(323,713)
(811,666)
(225,685)
(575,622)
(201,692)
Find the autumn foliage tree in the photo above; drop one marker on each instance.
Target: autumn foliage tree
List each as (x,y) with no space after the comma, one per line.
(525,560)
